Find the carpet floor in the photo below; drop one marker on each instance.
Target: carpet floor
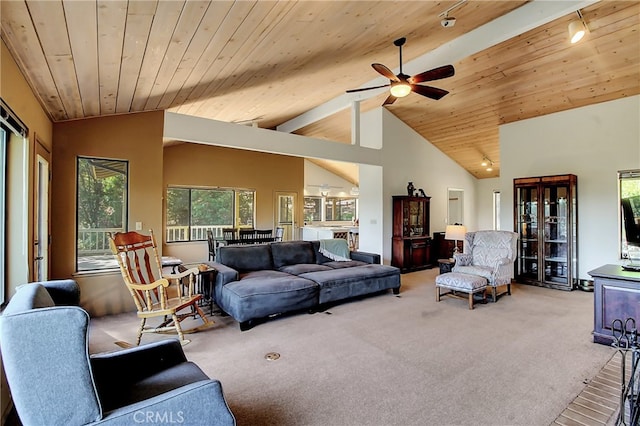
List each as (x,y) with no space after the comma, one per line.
(407,360)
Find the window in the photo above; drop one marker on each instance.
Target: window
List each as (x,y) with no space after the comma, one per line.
(629,202)
(3,191)
(340,209)
(496,210)
(101,208)
(312,209)
(335,209)
(193,211)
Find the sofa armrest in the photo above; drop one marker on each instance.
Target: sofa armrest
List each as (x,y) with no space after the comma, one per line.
(362,256)
(225,274)
(502,271)
(133,364)
(198,403)
(63,292)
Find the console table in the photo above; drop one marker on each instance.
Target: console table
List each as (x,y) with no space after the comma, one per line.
(616,296)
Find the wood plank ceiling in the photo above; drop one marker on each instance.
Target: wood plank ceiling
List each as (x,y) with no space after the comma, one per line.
(266,62)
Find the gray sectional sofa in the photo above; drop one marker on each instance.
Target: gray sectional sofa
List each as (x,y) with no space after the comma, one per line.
(258,281)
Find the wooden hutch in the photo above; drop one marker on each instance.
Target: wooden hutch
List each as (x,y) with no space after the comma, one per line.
(411,243)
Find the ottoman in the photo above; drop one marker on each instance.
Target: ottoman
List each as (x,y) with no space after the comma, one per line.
(457,282)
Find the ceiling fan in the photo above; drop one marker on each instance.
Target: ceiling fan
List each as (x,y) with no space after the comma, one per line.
(402,84)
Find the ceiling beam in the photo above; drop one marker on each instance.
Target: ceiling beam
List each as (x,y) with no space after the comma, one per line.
(525,18)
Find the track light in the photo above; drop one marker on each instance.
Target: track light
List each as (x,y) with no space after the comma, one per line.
(577,28)
(486,162)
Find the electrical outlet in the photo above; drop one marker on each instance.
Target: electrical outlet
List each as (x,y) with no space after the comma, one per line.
(138,226)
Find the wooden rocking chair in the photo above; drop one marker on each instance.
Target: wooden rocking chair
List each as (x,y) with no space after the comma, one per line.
(156,295)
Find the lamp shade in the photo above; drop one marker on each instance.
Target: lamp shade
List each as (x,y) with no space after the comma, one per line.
(455,232)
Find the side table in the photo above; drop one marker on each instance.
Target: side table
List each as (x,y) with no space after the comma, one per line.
(446,265)
(204,283)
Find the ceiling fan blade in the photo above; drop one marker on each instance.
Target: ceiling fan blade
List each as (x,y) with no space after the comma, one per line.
(367,88)
(428,91)
(434,74)
(383,70)
(390,99)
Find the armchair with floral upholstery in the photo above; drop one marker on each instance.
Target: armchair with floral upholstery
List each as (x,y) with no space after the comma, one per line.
(489,254)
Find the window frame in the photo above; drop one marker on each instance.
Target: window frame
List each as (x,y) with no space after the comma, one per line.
(110,263)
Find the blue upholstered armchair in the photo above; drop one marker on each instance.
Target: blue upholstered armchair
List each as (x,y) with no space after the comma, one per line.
(489,254)
(54,381)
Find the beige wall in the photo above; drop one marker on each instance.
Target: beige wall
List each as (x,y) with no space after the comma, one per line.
(17,94)
(188,164)
(133,137)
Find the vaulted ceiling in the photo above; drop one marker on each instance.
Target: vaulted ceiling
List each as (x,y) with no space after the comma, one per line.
(266,63)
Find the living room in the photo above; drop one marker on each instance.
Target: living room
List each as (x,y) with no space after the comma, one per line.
(593,142)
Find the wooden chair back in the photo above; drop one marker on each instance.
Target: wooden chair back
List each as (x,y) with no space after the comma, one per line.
(247,236)
(211,244)
(140,264)
(229,234)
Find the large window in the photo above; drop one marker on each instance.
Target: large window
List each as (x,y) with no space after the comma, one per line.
(101,208)
(335,209)
(629,191)
(191,212)
(3,191)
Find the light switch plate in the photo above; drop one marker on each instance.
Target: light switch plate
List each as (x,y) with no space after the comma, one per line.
(138,226)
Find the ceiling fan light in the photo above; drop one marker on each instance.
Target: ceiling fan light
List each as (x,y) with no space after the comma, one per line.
(577,30)
(400,89)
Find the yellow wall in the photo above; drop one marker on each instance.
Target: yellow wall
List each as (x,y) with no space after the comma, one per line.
(188,164)
(133,137)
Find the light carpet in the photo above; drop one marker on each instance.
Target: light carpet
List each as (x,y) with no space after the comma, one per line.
(408,360)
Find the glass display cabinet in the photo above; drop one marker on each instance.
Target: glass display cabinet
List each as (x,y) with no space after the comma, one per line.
(546,220)
(411,243)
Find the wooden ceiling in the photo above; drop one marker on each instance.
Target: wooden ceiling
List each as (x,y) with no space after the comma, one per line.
(267,62)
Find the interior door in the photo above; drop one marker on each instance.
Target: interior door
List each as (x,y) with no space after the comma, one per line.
(285,214)
(41,214)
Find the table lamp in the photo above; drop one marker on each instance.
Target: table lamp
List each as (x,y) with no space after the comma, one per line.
(455,232)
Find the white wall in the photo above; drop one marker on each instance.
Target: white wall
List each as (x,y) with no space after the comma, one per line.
(592,142)
(407,156)
(314,176)
(484,203)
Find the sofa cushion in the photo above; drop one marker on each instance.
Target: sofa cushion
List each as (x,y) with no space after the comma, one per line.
(343,283)
(303,268)
(337,264)
(265,273)
(246,258)
(261,296)
(481,271)
(292,253)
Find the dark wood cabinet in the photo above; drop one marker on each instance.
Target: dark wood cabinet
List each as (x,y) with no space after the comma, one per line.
(443,249)
(545,218)
(411,243)
(616,296)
